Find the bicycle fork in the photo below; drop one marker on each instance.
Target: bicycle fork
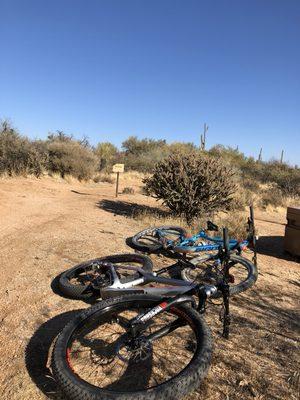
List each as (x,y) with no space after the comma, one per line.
(225,285)
(227,317)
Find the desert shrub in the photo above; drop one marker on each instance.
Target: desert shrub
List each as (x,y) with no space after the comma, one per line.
(180,147)
(282,175)
(142,154)
(19,155)
(192,184)
(290,184)
(231,155)
(128,190)
(286,177)
(136,146)
(271,196)
(250,184)
(235,222)
(106,153)
(68,156)
(103,178)
(242,198)
(145,162)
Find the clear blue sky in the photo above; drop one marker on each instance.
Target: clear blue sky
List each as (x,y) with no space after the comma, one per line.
(158,68)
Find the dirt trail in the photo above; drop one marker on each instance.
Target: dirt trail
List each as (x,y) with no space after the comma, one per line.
(49,225)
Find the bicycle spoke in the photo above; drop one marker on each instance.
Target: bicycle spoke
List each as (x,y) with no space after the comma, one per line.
(101,359)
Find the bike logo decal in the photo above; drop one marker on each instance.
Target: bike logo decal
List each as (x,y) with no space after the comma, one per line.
(156,310)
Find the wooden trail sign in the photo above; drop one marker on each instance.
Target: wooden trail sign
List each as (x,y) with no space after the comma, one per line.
(118,168)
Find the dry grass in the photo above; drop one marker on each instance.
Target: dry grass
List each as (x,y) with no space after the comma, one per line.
(128,190)
(104,177)
(236,222)
(127,179)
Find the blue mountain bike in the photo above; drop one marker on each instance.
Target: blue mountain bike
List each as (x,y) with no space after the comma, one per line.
(176,239)
(202,249)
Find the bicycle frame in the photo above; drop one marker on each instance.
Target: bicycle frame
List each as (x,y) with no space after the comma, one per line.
(117,288)
(178,291)
(174,286)
(138,323)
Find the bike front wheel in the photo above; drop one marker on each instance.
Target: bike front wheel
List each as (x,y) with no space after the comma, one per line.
(93,358)
(152,240)
(85,280)
(243,273)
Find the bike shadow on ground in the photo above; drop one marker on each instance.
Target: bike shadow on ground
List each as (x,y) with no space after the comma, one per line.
(264,331)
(128,209)
(268,305)
(273,246)
(37,354)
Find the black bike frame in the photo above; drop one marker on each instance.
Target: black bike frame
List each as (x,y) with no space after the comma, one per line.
(117,288)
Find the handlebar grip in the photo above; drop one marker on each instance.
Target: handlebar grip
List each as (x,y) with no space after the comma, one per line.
(226,240)
(251,213)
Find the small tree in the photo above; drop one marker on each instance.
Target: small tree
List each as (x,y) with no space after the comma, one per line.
(136,146)
(106,153)
(192,184)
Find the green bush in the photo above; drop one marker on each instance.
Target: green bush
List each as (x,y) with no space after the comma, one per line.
(231,155)
(144,162)
(193,184)
(136,146)
(106,153)
(142,154)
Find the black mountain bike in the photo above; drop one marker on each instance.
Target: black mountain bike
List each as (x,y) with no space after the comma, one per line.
(105,277)
(141,346)
(96,278)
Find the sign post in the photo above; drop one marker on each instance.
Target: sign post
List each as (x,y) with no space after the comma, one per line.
(118,168)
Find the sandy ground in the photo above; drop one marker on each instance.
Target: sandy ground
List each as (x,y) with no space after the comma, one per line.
(49,225)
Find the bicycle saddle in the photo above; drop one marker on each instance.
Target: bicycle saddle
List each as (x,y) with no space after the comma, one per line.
(211,226)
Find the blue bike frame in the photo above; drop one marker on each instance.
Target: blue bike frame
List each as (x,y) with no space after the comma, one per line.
(187,244)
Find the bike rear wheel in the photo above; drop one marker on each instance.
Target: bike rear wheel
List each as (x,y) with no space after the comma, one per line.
(84,280)
(242,271)
(94,360)
(148,240)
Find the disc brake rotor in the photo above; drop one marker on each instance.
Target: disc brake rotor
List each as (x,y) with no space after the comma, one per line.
(138,350)
(101,278)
